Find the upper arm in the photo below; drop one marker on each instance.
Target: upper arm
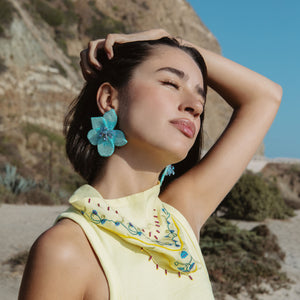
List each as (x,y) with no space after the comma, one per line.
(53,270)
(199,191)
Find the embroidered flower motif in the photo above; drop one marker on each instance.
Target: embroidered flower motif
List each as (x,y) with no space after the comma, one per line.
(183,254)
(104,135)
(170,243)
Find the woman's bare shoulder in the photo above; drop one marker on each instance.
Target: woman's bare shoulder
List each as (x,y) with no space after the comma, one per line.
(65,243)
(59,264)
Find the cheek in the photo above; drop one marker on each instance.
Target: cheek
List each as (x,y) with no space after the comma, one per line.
(148,100)
(138,110)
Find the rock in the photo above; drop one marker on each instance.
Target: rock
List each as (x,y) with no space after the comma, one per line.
(287,177)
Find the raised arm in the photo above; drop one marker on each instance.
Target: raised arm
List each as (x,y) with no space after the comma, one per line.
(255,100)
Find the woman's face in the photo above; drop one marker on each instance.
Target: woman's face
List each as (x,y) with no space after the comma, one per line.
(164,101)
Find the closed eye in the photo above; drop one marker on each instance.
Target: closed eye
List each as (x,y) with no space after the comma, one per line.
(170,83)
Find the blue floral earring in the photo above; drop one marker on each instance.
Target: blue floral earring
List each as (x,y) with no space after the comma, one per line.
(104,136)
(169,170)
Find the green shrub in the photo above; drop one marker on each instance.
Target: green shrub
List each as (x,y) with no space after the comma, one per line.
(6,196)
(60,68)
(15,189)
(70,17)
(54,17)
(14,182)
(6,15)
(61,42)
(253,198)
(75,62)
(241,260)
(69,4)
(3,67)
(103,25)
(294,168)
(9,150)
(70,181)
(29,128)
(18,261)
(60,18)
(38,196)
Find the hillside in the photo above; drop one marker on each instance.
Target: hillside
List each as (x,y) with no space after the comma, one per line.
(40,42)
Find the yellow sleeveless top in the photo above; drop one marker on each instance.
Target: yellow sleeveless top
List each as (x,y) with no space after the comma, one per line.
(146,247)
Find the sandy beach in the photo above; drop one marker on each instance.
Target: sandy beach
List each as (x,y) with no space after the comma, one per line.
(20,225)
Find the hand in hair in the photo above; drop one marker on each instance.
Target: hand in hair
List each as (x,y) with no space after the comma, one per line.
(89,62)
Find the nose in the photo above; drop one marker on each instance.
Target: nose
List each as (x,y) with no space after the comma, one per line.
(191,105)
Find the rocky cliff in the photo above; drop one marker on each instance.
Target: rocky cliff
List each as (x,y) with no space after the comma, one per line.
(40,42)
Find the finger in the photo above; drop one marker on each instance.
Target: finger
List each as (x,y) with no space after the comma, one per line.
(92,52)
(108,45)
(115,38)
(87,71)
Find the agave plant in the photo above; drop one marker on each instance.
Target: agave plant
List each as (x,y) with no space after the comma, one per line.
(14,182)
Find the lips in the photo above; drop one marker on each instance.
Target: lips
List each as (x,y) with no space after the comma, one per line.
(186,126)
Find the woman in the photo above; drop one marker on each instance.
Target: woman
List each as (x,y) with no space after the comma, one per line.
(119,240)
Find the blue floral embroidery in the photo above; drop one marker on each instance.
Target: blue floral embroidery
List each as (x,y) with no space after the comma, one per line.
(185,267)
(171,235)
(183,254)
(104,135)
(132,229)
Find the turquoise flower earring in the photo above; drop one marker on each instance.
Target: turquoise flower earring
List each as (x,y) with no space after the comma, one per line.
(169,170)
(104,136)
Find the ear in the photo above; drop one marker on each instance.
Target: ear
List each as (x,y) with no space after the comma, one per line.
(107,97)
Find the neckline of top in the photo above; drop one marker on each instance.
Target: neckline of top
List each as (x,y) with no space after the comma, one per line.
(87,189)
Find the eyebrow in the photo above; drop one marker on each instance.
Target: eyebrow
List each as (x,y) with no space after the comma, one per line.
(177,72)
(182,75)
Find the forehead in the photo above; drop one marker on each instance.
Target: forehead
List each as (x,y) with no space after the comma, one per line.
(166,56)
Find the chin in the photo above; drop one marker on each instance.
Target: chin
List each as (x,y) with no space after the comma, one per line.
(178,154)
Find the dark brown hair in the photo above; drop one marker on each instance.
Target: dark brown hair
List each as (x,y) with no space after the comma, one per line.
(117,71)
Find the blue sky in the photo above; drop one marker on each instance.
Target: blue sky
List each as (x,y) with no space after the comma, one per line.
(265,37)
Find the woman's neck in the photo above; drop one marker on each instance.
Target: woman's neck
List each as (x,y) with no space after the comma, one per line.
(121,177)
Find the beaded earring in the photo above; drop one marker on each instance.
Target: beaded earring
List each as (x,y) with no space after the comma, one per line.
(104,136)
(169,170)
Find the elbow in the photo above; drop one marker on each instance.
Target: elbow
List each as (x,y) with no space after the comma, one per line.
(276,94)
